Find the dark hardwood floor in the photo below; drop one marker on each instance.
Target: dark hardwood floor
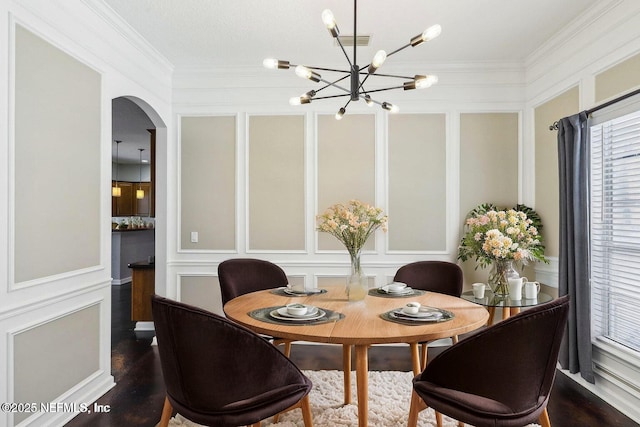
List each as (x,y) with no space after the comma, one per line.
(137,398)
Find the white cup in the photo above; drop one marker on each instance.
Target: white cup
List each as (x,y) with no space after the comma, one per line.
(531,290)
(411,308)
(478,290)
(515,288)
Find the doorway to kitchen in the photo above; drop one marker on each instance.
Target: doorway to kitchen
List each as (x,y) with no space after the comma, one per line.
(136,131)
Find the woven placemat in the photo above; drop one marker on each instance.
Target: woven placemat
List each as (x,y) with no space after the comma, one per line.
(281,292)
(446,316)
(263,315)
(378,292)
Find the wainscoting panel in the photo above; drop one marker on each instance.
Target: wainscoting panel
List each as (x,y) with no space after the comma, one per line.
(346,165)
(417,182)
(208,182)
(56,211)
(276,183)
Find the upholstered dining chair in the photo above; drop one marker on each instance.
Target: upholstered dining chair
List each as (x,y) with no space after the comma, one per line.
(435,276)
(501,376)
(239,276)
(205,380)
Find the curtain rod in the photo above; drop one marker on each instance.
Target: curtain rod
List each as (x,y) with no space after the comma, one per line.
(554,126)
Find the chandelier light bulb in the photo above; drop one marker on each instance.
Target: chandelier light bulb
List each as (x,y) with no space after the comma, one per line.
(390,107)
(330,22)
(297,100)
(270,63)
(328,19)
(273,63)
(377,61)
(431,33)
(306,73)
(340,113)
(368,100)
(424,82)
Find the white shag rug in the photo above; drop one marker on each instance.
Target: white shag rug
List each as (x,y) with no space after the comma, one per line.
(389,401)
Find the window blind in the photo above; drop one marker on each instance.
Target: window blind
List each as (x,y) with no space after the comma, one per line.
(615,229)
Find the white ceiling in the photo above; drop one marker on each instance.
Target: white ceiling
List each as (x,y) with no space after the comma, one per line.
(241,33)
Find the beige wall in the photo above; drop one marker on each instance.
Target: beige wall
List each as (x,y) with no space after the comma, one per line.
(51,358)
(618,79)
(546,164)
(417,182)
(57,161)
(488,167)
(202,291)
(208,182)
(346,165)
(276,183)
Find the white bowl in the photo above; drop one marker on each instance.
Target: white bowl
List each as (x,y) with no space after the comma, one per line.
(297,309)
(395,287)
(411,308)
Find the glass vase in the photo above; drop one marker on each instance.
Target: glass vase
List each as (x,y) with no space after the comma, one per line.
(356,282)
(501,271)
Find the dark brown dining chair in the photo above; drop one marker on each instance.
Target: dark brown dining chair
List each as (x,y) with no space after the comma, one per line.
(501,376)
(239,276)
(205,380)
(435,276)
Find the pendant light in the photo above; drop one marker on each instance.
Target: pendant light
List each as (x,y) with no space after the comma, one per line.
(116,191)
(356,76)
(140,191)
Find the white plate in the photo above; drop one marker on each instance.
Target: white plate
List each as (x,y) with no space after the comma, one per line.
(404,291)
(297,293)
(425,313)
(282,314)
(312,310)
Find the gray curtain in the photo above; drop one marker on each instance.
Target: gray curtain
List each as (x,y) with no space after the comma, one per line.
(573,164)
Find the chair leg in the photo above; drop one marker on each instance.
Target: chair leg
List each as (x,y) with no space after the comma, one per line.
(424,356)
(438,419)
(287,346)
(417,405)
(544,419)
(305,406)
(167,411)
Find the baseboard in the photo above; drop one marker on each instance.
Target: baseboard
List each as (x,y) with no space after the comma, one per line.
(120,282)
(144,327)
(82,396)
(607,391)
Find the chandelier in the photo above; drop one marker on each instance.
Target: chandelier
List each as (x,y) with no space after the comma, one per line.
(357,75)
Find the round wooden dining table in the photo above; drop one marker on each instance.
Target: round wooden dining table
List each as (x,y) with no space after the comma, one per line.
(360,324)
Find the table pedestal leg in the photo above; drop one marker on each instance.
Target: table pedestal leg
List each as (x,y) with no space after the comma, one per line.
(362,383)
(415,358)
(346,368)
(492,312)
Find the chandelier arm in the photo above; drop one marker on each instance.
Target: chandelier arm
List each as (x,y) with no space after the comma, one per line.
(399,49)
(330,84)
(343,51)
(391,75)
(335,85)
(383,89)
(362,83)
(328,69)
(331,96)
